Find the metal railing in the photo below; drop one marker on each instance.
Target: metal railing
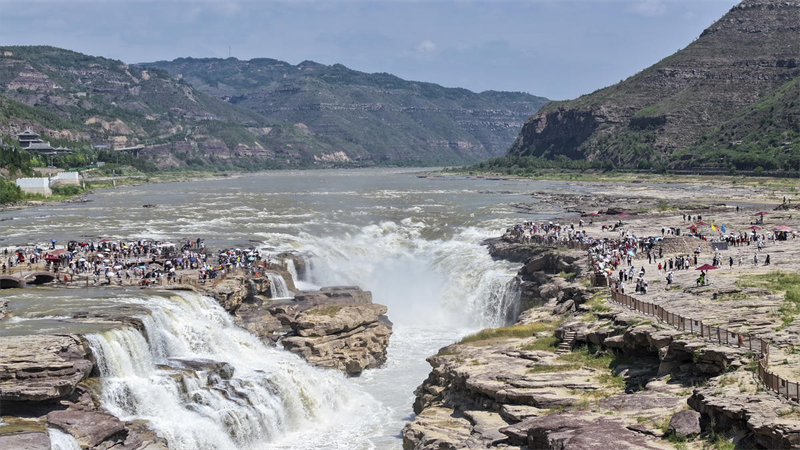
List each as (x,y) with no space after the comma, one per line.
(722,336)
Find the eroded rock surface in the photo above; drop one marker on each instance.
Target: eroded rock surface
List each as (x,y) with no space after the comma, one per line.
(42,367)
(335,327)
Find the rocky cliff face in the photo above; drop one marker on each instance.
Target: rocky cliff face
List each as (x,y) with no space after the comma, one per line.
(576,372)
(740,59)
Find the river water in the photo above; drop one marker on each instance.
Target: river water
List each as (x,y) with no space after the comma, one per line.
(414,242)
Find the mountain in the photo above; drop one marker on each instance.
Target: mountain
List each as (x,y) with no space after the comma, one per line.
(369,118)
(736,82)
(78,100)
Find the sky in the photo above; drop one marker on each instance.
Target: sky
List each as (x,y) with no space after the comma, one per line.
(557,49)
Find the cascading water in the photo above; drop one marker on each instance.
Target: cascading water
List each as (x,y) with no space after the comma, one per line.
(454,279)
(62,441)
(278,286)
(437,290)
(174,376)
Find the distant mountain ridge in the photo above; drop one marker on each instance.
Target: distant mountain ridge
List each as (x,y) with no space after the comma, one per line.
(76,99)
(695,108)
(358,116)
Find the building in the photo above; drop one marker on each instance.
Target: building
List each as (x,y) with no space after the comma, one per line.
(30,141)
(28,137)
(39,186)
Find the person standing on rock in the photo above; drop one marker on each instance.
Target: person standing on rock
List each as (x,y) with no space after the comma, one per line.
(731,262)
(767,261)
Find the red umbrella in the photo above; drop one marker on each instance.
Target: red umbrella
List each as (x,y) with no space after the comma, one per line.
(60,251)
(52,258)
(691,227)
(783,228)
(707,267)
(701,223)
(105,240)
(755,227)
(761,213)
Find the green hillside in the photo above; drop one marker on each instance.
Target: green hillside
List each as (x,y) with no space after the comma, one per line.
(371,118)
(733,83)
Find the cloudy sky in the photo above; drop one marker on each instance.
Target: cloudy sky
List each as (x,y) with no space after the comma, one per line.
(555,48)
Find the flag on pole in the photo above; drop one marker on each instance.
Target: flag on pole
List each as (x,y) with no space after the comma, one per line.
(723,228)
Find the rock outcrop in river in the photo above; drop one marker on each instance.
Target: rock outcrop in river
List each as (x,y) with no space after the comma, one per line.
(336,327)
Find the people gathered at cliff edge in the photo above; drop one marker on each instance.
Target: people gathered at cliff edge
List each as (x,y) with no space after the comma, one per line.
(140,262)
(618,255)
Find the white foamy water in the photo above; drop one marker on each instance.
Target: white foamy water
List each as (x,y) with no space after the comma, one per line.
(272,393)
(62,441)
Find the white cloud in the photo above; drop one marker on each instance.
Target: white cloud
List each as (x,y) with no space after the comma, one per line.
(649,8)
(426,47)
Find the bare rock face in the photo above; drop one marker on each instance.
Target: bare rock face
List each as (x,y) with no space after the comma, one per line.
(576,431)
(42,367)
(343,335)
(335,327)
(89,428)
(727,405)
(25,440)
(685,423)
(3,309)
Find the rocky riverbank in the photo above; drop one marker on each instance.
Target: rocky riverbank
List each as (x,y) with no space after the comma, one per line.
(579,372)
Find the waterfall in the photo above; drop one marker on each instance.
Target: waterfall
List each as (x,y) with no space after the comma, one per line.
(203,383)
(442,281)
(290,267)
(502,301)
(277,286)
(62,441)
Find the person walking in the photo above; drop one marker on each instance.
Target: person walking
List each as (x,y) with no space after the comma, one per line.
(731,262)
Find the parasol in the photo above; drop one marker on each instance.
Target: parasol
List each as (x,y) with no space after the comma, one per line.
(707,267)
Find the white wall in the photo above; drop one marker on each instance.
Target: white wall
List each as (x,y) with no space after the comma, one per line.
(35,186)
(66,178)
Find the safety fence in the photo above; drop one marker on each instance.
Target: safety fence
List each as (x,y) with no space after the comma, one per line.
(722,336)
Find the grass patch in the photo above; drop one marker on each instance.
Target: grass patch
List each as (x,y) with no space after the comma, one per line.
(720,442)
(445,351)
(778,281)
(516,331)
(554,368)
(730,296)
(330,311)
(569,276)
(547,343)
(598,304)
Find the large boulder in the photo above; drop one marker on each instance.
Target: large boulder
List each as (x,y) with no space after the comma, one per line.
(330,318)
(42,367)
(685,423)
